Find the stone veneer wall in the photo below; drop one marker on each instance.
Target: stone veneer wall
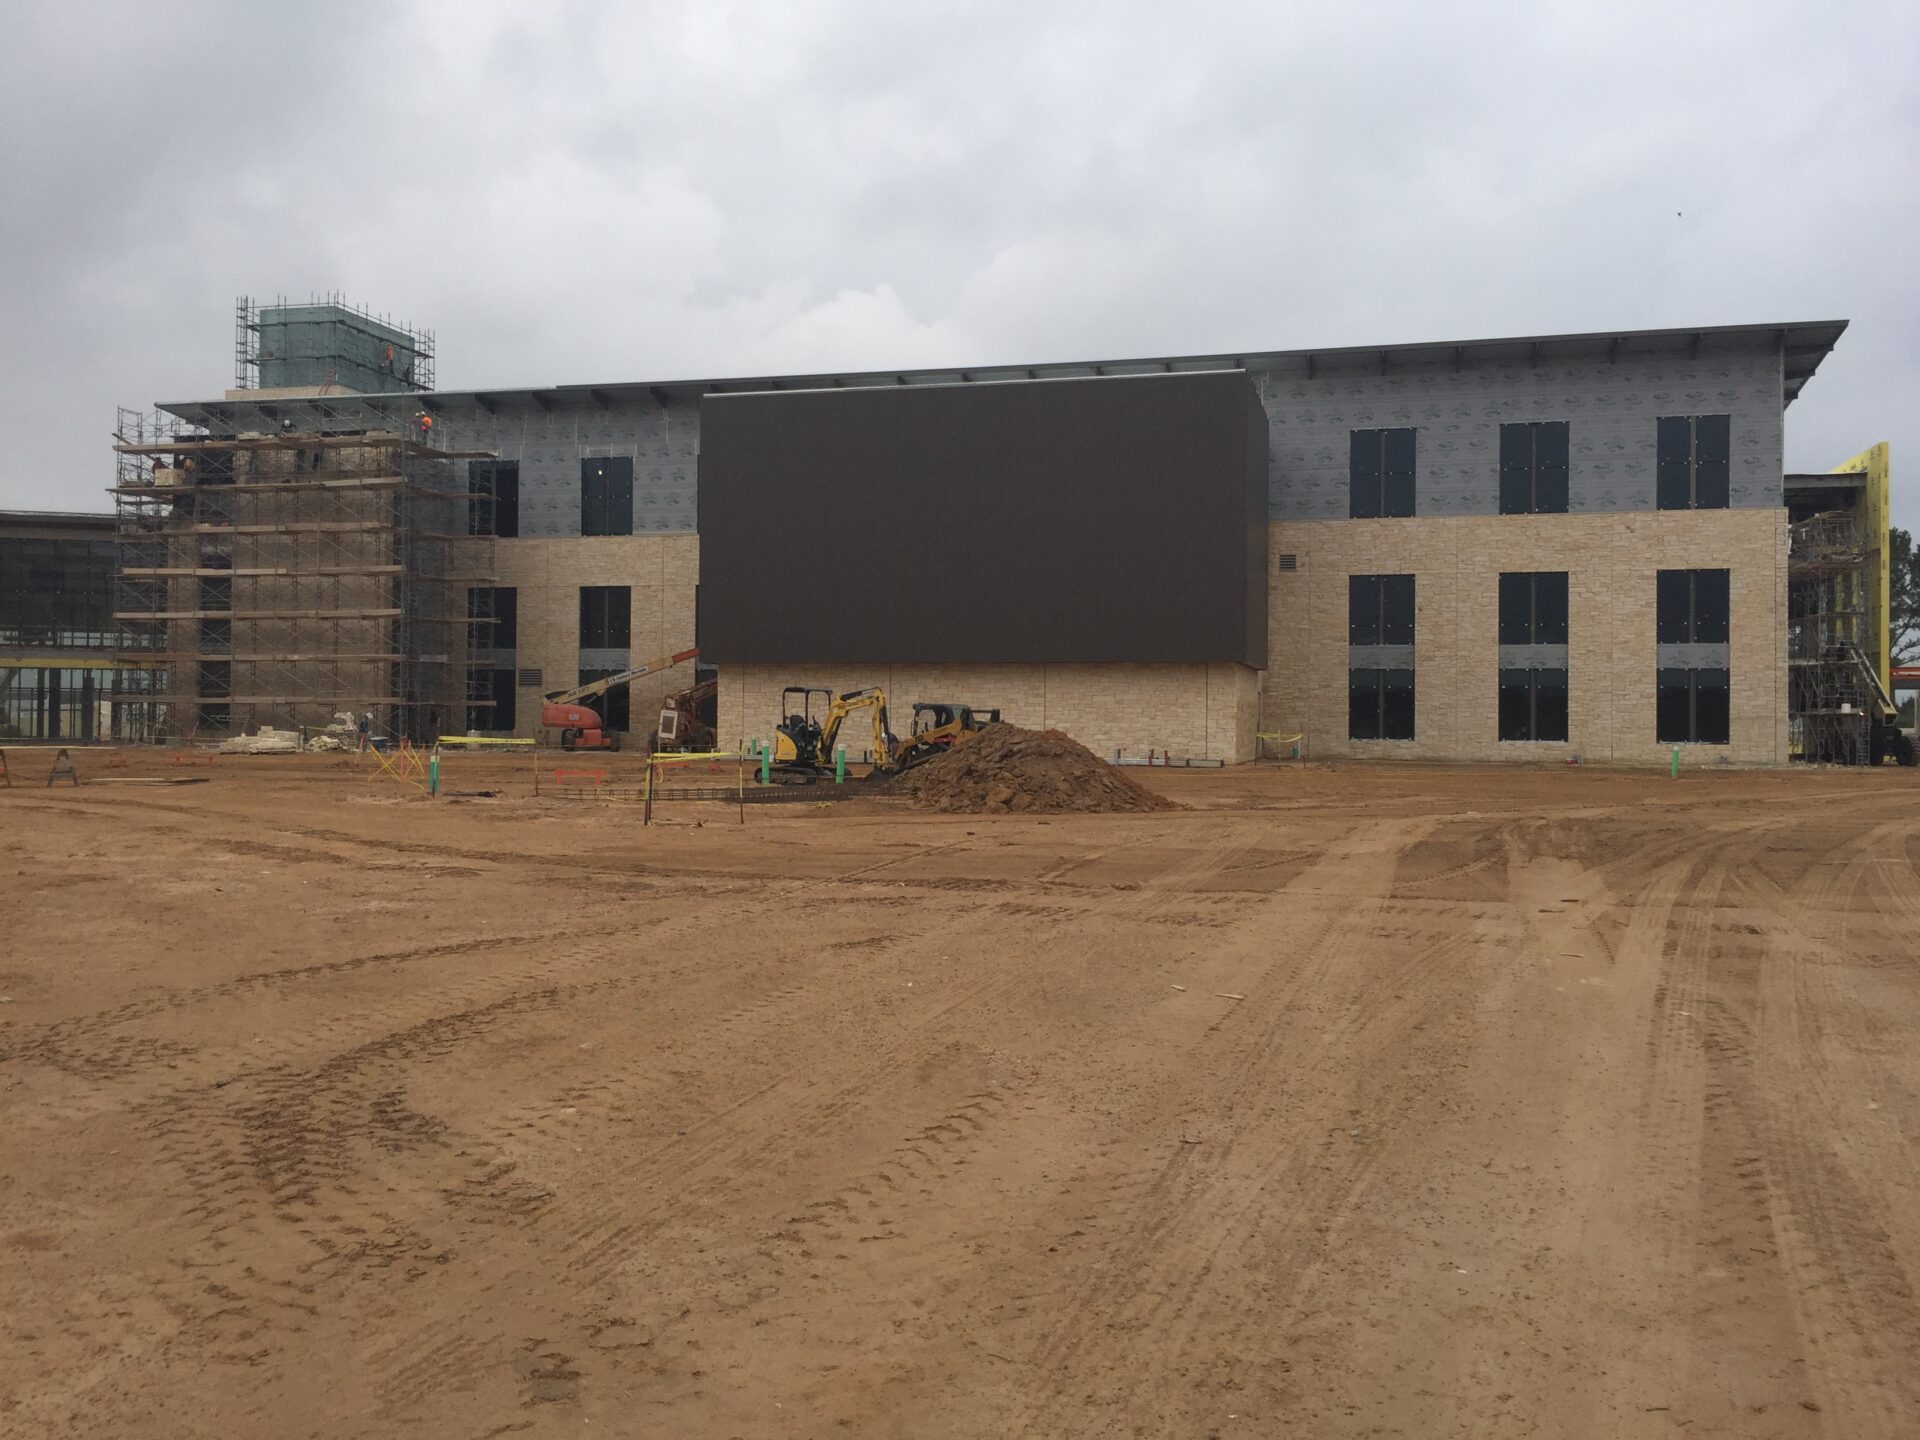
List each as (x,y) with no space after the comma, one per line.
(661,570)
(1210,711)
(1198,710)
(1610,560)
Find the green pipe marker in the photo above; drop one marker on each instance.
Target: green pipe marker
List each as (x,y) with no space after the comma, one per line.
(839,764)
(1675,770)
(766,764)
(433,774)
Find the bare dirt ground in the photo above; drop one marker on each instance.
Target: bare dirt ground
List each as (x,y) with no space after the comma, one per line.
(1352,1101)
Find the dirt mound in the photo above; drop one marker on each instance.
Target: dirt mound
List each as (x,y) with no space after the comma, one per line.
(1005,768)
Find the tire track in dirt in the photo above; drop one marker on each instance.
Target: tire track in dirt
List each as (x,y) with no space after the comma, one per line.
(1415,1018)
(1714,1103)
(590,1243)
(1184,1277)
(1064,1087)
(1197,1211)
(273,1147)
(1854,1281)
(294,974)
(574,1245)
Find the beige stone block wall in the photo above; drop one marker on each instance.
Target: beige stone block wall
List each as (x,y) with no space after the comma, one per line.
(661,570)
(1197,710)
(1611,560)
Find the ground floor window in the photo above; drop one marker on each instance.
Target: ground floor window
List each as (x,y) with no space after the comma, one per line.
(1533,705)
(1380,704)
(1693,706)
(498,687)
(614,705)
(46,702)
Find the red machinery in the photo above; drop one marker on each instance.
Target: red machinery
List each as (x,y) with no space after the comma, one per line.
(580,726)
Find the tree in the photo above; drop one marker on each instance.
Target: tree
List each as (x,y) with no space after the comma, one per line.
(1903,598)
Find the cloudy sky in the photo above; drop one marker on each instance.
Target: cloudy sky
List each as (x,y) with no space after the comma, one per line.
(569,193)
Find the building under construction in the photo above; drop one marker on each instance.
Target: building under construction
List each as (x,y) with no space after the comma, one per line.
(284,577)
(1550,548)
(326,346)
(1840,709)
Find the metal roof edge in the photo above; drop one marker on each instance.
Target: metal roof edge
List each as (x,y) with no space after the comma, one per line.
(57,517)
(1819,341)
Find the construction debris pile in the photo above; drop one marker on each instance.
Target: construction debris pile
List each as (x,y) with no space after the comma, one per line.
(1005,768)
(340,735)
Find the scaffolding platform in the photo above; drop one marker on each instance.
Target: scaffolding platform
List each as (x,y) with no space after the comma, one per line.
(1833,693)
(277,579)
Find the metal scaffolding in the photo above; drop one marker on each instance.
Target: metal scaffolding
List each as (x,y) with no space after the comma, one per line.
(284,578)
(329,345)
(1831,686)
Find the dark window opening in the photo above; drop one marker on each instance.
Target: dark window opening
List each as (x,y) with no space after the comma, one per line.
(1533,607)
(60,592)
(216,592)
(1533,704)
(501,714)
(495,506)
(1692,607)
(1380,609)
(1533,468)
(1695,462)
(614,705)
(1693,707)
(606,495)
(1380,474)
(493,615)
(606,617)
(1380,704)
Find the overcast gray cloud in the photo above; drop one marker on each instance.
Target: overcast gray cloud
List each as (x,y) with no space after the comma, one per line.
(570,193)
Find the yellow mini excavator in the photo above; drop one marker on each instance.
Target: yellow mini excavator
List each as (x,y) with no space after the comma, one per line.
(810,723)
(812,720)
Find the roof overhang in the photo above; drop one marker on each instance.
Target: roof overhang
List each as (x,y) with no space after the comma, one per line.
(1801,344)
(55,520)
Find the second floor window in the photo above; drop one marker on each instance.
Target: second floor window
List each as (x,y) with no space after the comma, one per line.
(1380,610)
(1691,607)
(606,617)
(1533,607)
(493,613)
